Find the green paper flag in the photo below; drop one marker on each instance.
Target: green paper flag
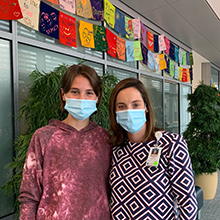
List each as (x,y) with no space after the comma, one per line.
(191,58)
(101,43)
(137,51)
(129,28)
(171,68)
(184,58)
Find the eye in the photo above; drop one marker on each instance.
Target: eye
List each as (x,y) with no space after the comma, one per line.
(90,93)
(75,92)
(120,107)
(136,105)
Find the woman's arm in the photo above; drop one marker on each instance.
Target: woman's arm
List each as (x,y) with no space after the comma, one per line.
(182,179)
(31,185)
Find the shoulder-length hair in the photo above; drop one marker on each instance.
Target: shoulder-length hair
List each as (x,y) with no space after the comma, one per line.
(118,133)
(86,71)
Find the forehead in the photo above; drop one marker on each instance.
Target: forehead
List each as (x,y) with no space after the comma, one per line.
(129,95)
(80,81)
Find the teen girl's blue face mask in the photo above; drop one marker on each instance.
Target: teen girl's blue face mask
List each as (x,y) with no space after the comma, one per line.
(132,120)
(80,109)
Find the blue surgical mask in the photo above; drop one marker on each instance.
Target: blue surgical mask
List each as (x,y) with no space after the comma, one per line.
(80,109)
(132,120)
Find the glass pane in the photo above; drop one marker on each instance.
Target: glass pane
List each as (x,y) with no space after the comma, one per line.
(214,77)
(184,114)
(121,74)
(145,68)
(5,25)
(33,34)
(155,92)
(30,58)
(6,124)
(132,64)
(171,107)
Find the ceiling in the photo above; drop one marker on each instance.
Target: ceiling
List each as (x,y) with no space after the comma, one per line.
(192,22)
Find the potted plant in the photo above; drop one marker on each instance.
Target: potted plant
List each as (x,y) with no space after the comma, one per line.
(203,136)
(41,105)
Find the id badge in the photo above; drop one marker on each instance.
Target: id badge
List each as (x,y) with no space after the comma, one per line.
(154,156)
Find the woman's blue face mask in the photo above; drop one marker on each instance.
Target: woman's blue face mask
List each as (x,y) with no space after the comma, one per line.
(80,109)
(132,120)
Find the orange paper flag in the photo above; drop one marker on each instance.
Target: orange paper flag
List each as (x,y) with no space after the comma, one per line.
(162,62)
(86,34)
(150,41)
(121,48)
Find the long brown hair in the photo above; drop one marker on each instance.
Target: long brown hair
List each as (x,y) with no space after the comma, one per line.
(86,71)
(118,133)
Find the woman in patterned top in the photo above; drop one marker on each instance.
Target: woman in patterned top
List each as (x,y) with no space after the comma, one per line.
(144,185)
(66,171)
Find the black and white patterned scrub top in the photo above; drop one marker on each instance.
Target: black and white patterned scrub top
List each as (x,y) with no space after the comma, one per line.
(149,193)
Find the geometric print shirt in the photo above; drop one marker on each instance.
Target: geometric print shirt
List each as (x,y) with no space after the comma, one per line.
(153,193)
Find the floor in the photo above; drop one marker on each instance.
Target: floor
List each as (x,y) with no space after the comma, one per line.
(211,208)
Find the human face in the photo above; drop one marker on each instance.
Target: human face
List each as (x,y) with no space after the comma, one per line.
(81,89)
(129,98)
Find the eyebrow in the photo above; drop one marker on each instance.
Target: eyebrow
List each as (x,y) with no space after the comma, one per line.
(119,103)
(74,88)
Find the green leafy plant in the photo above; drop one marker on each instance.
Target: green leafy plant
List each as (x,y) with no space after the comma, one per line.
(41,105)
(203,131)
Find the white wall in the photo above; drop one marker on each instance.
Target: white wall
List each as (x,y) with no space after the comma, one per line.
(197,69)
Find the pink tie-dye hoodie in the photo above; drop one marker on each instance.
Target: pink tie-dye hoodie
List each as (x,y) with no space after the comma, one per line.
(65,174)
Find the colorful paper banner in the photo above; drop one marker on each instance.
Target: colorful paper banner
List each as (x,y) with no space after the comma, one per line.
(30,10)
(119,22)
(86,34)
(129,28)
(69,5)
(137,28)
(84,8)
(129,50)
(109,13)
(112,42)
(49,21)
(97,9)
(10,10)
(121,48)
(101,43)
(67,30)
(137,51)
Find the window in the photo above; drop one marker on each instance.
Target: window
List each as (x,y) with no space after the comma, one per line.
(171,107)
(215,77)
(155,91)
(6,124)
(121,74)
(184,103)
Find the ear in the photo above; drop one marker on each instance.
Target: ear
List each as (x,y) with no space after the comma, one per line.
(62,94)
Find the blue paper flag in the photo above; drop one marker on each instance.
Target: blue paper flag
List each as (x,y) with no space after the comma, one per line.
(49,21)
(129,51)
(119,22)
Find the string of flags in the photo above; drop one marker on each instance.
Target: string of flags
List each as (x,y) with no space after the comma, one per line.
(133,41)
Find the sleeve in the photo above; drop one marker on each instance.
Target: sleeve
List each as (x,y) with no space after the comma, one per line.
(182,179)
(31,185)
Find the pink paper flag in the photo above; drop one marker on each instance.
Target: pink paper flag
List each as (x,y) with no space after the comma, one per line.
(137,28)
(167,42)
(68,5)
(162,44)
(30,11)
